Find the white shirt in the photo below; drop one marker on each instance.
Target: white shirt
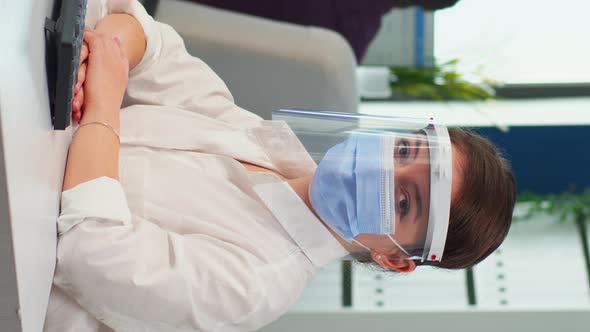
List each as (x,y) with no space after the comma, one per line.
(188,239)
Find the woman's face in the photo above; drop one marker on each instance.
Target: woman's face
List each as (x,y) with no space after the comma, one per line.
(412,196)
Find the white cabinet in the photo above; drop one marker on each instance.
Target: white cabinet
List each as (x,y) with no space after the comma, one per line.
(424,289)
(539,266)
(324,292)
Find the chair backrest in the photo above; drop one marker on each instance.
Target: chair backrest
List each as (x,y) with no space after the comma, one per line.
(266,64)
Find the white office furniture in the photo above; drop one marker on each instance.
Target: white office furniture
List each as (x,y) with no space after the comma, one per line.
(32,167)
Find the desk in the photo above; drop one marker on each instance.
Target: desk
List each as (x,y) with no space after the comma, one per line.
(32,162)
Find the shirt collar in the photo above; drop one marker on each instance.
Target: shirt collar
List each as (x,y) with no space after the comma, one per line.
(316,242)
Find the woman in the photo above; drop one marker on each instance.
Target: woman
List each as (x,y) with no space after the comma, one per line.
(161,228)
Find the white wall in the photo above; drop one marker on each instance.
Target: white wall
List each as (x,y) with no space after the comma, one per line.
(34,159)
(524,41)
(395,42)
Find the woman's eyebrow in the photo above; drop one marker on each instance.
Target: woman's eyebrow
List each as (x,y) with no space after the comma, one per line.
(417,148)
(418,202)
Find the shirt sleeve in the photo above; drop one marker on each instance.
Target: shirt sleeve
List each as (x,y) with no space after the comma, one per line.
(168,75)
(100,199)
(135,276)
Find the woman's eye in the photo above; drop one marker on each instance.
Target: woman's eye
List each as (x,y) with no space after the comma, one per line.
(403,150)
(404,205)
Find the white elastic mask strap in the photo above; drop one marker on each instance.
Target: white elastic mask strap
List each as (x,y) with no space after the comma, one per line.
(397,244)
(360,244)
(388,186)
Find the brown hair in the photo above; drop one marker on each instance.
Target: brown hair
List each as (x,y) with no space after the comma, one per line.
(481,215)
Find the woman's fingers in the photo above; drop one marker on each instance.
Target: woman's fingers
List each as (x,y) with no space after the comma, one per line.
(77,105)
(83,53)
(93,39)
(81,76)
(80,98)
(76,116)
(74,107)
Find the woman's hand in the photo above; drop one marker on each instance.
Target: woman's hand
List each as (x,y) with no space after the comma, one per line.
(94,151)
(130,32)
(104,75)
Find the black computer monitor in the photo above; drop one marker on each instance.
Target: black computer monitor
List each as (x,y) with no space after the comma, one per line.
(64,36)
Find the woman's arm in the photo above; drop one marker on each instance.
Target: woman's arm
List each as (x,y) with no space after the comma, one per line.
(129,31)
(94,151)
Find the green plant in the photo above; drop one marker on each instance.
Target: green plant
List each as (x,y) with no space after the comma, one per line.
(568,204)
(440,82)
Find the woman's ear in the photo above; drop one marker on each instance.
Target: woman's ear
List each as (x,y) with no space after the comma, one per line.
(393,263)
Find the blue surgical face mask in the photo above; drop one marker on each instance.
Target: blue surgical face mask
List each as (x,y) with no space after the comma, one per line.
(353,189)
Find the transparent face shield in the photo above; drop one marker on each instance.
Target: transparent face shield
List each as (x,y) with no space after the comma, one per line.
(381,182)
